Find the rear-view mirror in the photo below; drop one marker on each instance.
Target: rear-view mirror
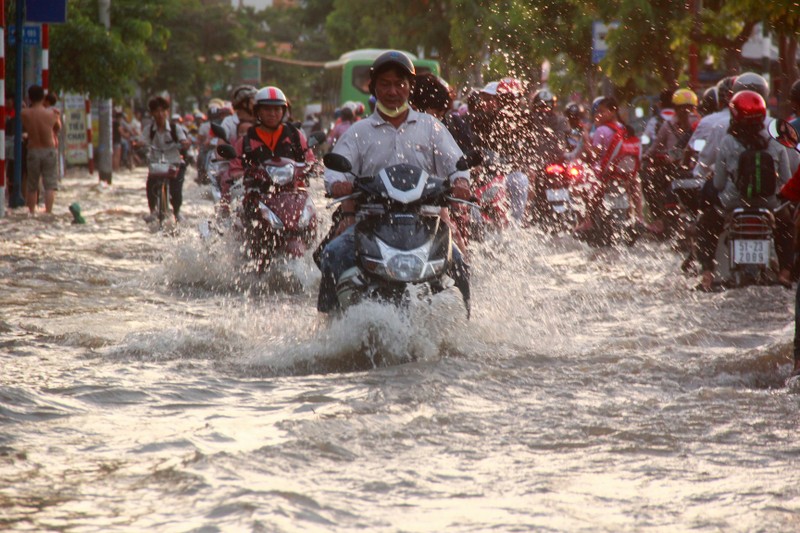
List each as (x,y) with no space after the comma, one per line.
(226,151)
(316,138)
(337,162)
(783,132)
(219,132)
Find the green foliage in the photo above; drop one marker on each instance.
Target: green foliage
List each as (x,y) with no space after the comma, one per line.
(86,58)
(179,46)
(191,48)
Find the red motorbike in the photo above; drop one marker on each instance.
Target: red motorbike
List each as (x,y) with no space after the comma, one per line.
(277,216)
(553,201)
(488,209)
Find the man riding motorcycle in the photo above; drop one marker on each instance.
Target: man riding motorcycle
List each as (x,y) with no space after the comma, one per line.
(393,134)
(577,136)
(610,135)
(243,101)
(545,143)
(665,155)
(748,111)
(281,138)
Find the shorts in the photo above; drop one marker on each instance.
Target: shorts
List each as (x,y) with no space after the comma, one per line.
(43,162)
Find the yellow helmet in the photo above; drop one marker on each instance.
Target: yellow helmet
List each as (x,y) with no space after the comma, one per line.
(684,97)
(215,104)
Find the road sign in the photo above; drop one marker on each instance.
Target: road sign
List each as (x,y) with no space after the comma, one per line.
(48,11)
(31,34)
(250,70)
(599,45)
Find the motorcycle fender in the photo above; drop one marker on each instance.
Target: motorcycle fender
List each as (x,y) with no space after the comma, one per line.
(288,205)
(294,247)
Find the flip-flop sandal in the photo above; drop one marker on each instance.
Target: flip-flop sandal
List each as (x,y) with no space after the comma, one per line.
(715,287)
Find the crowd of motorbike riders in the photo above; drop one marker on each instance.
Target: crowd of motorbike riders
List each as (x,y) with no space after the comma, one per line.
(698,162)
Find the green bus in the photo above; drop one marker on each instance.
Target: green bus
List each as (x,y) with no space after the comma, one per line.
(347,78)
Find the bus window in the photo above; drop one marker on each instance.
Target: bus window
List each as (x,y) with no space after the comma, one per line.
(361,78)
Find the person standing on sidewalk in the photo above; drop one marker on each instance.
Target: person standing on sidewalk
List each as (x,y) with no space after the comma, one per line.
(41,125)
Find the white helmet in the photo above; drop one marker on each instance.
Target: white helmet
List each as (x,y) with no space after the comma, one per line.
(271,96)
(240,97)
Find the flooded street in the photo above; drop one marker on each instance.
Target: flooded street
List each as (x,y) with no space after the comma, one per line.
(153,381)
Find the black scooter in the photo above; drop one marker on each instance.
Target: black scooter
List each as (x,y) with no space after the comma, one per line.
(400,238)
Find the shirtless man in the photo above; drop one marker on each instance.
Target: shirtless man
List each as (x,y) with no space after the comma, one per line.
(41,125)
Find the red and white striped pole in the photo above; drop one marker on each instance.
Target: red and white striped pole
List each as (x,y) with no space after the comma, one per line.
(46,58)
(89,145)
(2,108)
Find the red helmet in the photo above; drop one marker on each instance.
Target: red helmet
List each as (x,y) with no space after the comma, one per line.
(748,107)
(511,86)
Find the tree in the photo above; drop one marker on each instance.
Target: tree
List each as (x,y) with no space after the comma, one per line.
(198,46)
(85,58)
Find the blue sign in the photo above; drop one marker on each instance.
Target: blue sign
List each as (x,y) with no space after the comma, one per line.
(31,34)
(47,11)
(599,35)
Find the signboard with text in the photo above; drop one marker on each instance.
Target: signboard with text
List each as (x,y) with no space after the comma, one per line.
(31,34)
(599,34)
(76,149)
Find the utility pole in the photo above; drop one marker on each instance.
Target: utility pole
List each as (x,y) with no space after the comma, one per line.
(17,200)
(694,55)
(104,141)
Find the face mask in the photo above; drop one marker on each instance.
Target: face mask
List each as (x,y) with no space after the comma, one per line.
(392,113)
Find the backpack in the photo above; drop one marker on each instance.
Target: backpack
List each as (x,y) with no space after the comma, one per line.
(170,127)
(295,150)
(623,156)
(756,176)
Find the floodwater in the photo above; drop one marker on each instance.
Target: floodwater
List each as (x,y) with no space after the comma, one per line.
(152,381)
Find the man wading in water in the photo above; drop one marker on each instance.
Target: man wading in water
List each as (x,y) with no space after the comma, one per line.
(41,125)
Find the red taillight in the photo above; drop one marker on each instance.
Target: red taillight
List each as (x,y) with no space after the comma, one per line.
(554,169)
(574,172)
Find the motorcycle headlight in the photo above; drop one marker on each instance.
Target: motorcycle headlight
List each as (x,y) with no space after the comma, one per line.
(404,265)
(270,216)
(281,175)
(308,213)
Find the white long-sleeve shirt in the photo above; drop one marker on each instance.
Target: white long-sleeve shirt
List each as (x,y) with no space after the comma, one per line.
(711,128)
(726,169)
(373,143)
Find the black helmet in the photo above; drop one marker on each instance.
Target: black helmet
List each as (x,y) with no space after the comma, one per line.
(389,59)
(709,103)
(608,102)
(750,81)
(574,111)
(430,92)
(794,93)
(544,99)
(725,90)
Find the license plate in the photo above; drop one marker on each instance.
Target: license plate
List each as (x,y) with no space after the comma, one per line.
(750,252)
(616,201)
(688,184)
(557,195)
